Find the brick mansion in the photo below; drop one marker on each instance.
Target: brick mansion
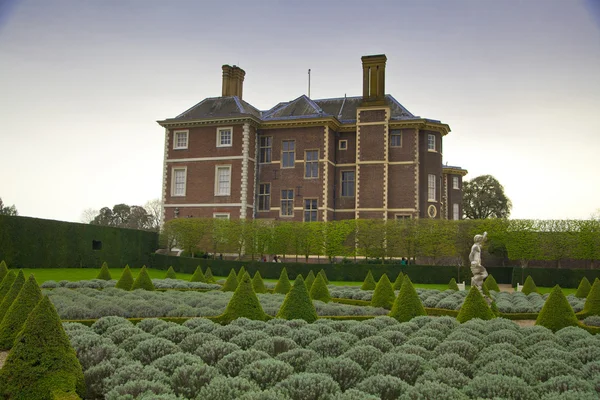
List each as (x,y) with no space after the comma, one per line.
(308,159)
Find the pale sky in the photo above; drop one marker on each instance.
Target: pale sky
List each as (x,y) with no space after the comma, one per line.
(82,84)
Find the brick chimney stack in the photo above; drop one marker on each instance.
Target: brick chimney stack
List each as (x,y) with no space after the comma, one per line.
(374,79)
(233,81)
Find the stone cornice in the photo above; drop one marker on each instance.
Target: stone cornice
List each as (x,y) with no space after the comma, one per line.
(171,124)
(421,124)
(330,122)
(454,171)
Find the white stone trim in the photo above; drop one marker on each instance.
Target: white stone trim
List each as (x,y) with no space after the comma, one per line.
(174,160)
(386,159)
(173,169)
(224,128)
(254,179)
(417,164)
(187,139)
(206,205)
(217,167)
(325,172)
(164,182)
(215,214)
(245,156)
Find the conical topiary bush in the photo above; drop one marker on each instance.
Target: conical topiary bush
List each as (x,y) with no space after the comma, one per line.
(171,274)
(198,275)
(12,294)
(241,273)
(258,284)
(310,279)
(485,291)
(244,303)
(126,280)
(407,305)
(474,306)
(324,275)
(592,302)
(42,364)
(104,273)
(209,276)
(231,283)
(491,284)
(3,270)
(6,284)
(143,281)
(384,295)
(283,284)
(584,288)
(369,282)
(319,290)
(297,303)
(17,313)
(398,282)
(452,285)
(529,286)
(557,312)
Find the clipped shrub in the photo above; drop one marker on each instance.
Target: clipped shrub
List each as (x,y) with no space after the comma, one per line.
(386,387)
(275,345)
(126,280)
(209,275)
(324,275)
(344,371)
(134,389)
(171,274)
(169,363)
(42,360)
(266,373)
(355,394)
(310,279)
(258,284)
(329,346)
(563,383)
(231,283)
(529,286)
(198,275)
(557,312)
(452,285)
(407,367)
(384,295)
(592,302)
(369,282)
(491,284)
(227,388)
(543,370)
(244,303)
(507,368)
(143,281)
(17,313)
(12,294)
(299,358)
(297,303)
(247,339)
(433,390)
(3,270)
(233,363)
(407,305)
(104,273)
(188,380)
(6,284)
(364,355)
(319,290)
(464,349)
(175,333)
(283,284)
(308,385)
(488,386)
(152,349)
(195,340)
(453,361)
(584,288)
(103,324)
(398,281)
(241,273)
(214,351)
(474,306)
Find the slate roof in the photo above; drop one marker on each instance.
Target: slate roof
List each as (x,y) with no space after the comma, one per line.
(218,107)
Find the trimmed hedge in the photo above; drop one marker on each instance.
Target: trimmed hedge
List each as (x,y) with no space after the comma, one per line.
(369,282)
(592,302)
(231,283)
(198,275)
(398,281)
(584,288)
(41,243)
(557,312)
(17,313)
(283,285)
(407,305)
(297,303)
(171,274)
(104,273)
(126,280)
(452,285)
(491,283)
(6,284)
(474,306)
(548,277)
(383,295)
(12,294)
(529,286)
(258,284)
(310,279)
(244,303)
(143,281)
(319,290)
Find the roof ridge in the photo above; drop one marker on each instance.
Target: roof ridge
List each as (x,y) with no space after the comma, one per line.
(191,108)
(239,104)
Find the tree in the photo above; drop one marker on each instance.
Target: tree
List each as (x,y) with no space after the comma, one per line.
(483,197)
(88,215)
(8,210)
(123,216)
(154,210)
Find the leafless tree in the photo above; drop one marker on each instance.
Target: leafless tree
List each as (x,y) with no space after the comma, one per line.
(154,210)
(88,215)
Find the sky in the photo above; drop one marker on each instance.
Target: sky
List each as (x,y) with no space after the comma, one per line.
(82,84)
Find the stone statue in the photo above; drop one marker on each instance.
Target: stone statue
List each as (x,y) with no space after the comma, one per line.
(478,270)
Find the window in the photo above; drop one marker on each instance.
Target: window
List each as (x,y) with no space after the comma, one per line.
(265,149)
(180,140)
(431,187)
(311,164)
(431,142)
(96,245)
(402,217)
(343,145)
(221,215)
(396,139)
(455,211)
(348,183)
(224,137)
(288,153)
(222,180)
(264,197)
(287,202)
(310,210)
(178,185)
(455,182)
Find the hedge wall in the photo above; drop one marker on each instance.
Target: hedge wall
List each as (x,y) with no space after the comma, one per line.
(548,277)
(40,243)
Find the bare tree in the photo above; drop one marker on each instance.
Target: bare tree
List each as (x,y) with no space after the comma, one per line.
(154,210)
(88,215)
(7,210)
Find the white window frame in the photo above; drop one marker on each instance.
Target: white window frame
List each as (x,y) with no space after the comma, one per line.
(265,196)
(455,183)
(265,150)
(431,187)
(345,146)
(311,163)
(431,142)
(402,217)
(222,129)
(217,168)
(396,133)
(173,170)
(311,210)
(222,215)
(176,135)
(342,184)
(455,211)
(293,160)
(281,200)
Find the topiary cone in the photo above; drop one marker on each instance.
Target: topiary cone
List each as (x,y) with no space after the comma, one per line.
(231,283)
(126,280)
(474,306)
(3,270)
(592,302)
(42,364)
(369,282)
(310,279)
(143,281)
(283,284)
(171,274)
(12,294)
(398,281)
(297,303)
(557,312)
(584,288)
(198,275)
(407,305)
(104,273)
(209,276)
(319,290)
(258,284)
(244,303)
(491,284)
(324,275)
(529,286)
(452,285)
(6,284)
(17,313)
(241,273)
(384,295)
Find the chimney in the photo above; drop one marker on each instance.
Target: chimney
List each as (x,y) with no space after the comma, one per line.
(373,79)
(233,81)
